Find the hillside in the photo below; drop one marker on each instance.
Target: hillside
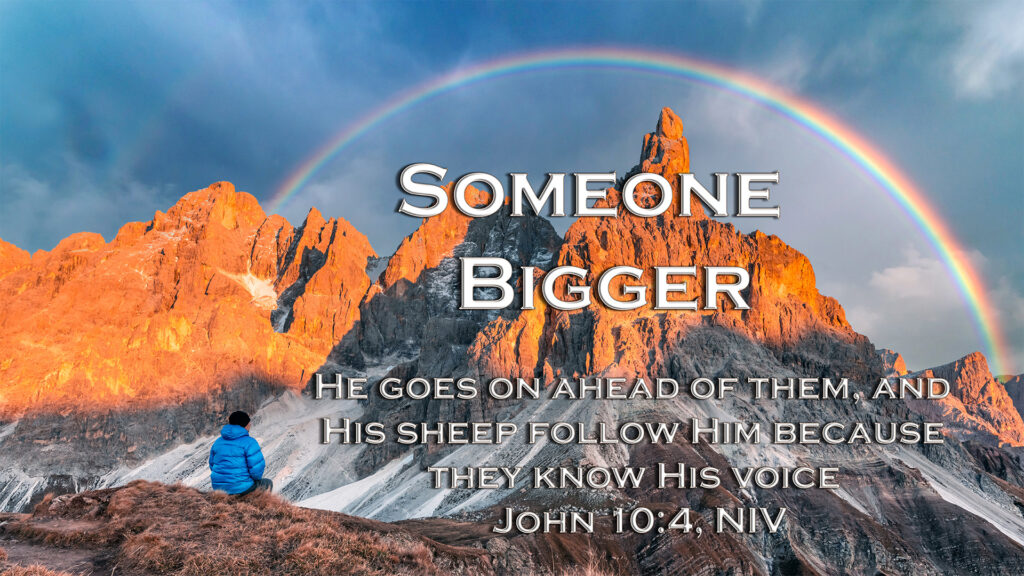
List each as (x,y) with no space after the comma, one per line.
(216,306)
(197,301)
(147,528)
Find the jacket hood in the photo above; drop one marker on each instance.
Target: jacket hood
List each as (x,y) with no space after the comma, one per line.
(232,432)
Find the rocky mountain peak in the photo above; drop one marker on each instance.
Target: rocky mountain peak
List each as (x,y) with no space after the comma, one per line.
(12,258)
(1014,386)
(205,277)
(314,219)
(666,152)
(786,311)
(412,310)
(218,203)
(892,363)
(669,125)
(978,405)
(434,240)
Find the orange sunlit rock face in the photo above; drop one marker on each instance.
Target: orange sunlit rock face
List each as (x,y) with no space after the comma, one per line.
(893,364)
(786,309)
(978,404)
(12,258)
(175,307)
(433,241)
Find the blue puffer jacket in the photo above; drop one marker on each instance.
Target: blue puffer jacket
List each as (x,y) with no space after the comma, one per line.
(236,461)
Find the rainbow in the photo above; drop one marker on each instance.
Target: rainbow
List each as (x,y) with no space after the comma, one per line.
(808,115)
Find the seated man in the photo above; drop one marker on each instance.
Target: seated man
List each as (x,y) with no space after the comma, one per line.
(236,461)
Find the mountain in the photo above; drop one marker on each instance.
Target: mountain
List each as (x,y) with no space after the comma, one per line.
(791,330)
(12,258)
(893,364)
(113,352)
(176,307)
(412,312)
(978,404)
(1014,386)
(787,314)
(267,305)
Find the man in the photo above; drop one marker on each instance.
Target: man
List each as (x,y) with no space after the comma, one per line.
(236,461)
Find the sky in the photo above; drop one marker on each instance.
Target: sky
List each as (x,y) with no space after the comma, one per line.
(110,111)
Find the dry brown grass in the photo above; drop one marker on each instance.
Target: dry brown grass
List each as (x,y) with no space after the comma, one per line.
(30,571)
(588,570)
(154,528)
(592,567)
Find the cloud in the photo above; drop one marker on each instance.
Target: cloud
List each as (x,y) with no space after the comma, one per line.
(360,190)
(989,58)
(102,103)
(1010,305)
(922,280)
(787,66)
(872,47)
(38,213)
(752,10)
(915,308)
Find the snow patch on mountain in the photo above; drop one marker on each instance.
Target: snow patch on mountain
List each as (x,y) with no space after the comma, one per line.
(288,429)
(261,289)
(1004,516)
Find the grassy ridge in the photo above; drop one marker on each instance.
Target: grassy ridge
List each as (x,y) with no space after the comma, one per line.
(152,528)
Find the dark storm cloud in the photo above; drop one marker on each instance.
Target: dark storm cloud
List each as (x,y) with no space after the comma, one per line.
(85,136)
(171,97)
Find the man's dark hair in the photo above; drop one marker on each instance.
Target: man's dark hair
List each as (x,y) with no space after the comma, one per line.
(239,419)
